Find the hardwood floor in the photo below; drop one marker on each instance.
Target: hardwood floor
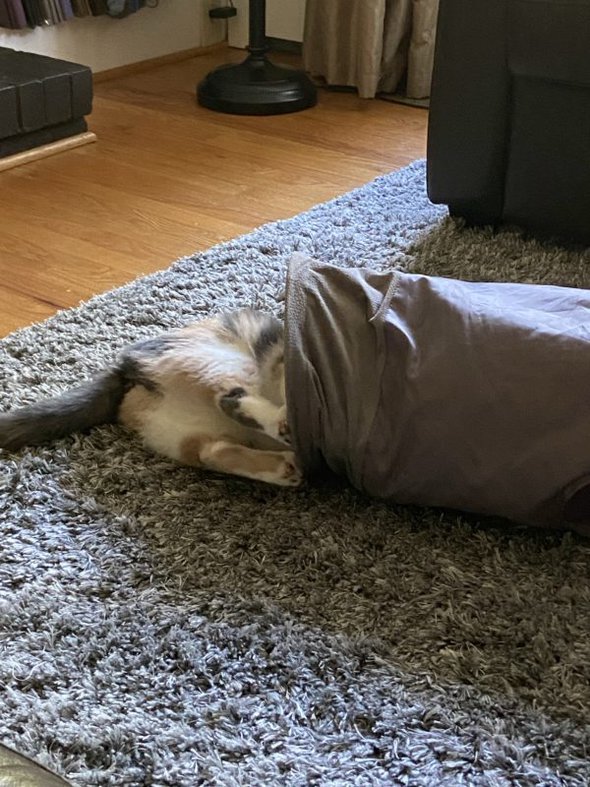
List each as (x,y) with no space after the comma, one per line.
(168,178)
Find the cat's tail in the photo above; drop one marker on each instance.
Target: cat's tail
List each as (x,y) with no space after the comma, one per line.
(90,404)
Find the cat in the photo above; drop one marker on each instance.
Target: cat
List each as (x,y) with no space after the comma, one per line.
(210,395)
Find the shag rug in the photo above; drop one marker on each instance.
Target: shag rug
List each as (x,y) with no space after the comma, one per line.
(163,626)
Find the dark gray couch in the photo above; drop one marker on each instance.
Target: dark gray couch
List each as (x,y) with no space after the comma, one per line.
(509,127)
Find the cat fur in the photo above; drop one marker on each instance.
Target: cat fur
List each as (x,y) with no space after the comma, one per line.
(210,395)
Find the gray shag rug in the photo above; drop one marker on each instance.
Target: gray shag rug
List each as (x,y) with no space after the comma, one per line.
(162,626)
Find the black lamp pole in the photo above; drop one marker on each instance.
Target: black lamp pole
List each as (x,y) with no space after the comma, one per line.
(256,86)
(257,43)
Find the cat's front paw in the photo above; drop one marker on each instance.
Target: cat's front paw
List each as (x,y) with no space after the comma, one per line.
(283,430)
(230,400)
(232,404)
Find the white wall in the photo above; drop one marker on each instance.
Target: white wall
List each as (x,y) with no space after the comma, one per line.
(103,43)
(284,19)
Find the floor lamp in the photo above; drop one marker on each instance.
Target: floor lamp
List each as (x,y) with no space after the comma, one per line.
(256,86)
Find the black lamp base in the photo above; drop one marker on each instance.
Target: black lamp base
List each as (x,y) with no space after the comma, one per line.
(256,87)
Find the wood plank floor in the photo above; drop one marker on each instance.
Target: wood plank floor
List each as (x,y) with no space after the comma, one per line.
(168,178)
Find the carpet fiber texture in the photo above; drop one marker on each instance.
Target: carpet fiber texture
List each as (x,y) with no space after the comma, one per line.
(162,626)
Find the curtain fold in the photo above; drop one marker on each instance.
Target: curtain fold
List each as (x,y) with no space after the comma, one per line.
(374,45)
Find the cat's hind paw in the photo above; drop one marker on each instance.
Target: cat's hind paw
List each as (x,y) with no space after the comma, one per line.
(289,473)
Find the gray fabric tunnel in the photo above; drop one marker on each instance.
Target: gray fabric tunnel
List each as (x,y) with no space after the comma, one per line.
(431,391)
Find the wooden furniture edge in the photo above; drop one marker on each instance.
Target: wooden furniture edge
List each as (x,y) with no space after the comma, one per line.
(43,151)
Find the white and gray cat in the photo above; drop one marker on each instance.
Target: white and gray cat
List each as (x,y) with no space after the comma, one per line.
(209,395)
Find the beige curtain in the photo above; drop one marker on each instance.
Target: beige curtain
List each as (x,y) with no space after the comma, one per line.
(373,45)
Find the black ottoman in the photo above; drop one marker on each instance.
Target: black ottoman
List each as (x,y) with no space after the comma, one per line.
(42,100)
